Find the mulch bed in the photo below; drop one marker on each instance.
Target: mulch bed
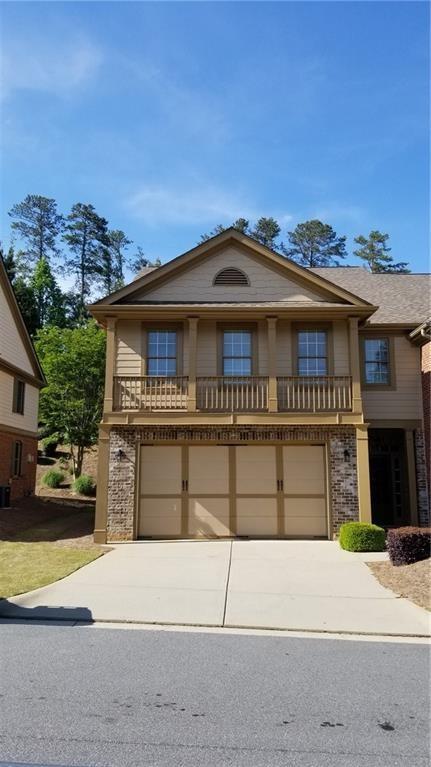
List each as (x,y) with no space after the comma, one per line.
(34,511)
(411,581)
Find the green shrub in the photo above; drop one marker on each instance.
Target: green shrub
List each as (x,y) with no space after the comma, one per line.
(361,536)
(49,445)
(84,485)
(53,478)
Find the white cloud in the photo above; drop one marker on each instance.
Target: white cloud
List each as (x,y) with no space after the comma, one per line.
(41,64)
(202,204)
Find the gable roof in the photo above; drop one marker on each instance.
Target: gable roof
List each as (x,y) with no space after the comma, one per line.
(39,378)
(255,249)
(402,299)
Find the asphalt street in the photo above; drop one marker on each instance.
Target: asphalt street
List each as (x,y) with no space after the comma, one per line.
(102,697)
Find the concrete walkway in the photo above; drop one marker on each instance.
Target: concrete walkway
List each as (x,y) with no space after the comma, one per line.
(296,585)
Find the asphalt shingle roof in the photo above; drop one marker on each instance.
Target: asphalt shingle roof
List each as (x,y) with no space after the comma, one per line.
(403,299)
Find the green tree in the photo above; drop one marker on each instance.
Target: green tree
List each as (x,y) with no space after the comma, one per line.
(38,225)
(23,292)
(266,231)
(86,235)
(313,243)
(140,261)
(119,244)
(375,252)
(241,225)
(48,298)
(73,361)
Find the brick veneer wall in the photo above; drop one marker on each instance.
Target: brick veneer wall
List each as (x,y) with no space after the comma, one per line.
(343,478)
(426,393)
(422,485)
(121,482)
(25,484)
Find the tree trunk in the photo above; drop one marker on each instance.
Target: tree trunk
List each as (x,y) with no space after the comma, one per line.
(79,460)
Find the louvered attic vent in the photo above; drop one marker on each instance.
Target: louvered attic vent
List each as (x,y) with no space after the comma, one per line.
(231,276)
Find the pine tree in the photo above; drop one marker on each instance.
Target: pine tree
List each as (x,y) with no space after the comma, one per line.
(375,252)
(140,261)
(38,225)
(119,243)
(86,235)
(266,231)
(313,243)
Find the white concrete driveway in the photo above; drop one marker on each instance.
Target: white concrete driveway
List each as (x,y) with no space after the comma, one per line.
(297,585)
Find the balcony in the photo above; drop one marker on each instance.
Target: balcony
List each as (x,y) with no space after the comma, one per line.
(236,394)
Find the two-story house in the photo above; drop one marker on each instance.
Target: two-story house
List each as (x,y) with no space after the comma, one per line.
(21,378)
(248,396)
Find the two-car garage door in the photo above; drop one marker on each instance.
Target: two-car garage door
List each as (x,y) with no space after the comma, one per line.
(225,490)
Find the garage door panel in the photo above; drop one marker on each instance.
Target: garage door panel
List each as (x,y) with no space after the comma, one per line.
(305,517)
(160,517)
(209,469)
(304,469)
(160,470)
(209,516)
(256,516)
(256,469)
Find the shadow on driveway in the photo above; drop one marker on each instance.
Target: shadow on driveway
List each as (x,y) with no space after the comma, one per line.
(44,614)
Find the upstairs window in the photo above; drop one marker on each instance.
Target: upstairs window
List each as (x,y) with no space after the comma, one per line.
(231,276)
(162,353)
(237,353)
(18,396)
(312,353)
(376,361)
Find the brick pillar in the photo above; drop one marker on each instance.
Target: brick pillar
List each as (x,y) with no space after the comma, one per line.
(421,478)
(343,479)
(121,484)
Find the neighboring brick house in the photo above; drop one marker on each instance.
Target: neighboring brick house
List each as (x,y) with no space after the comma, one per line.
(422,337)
(248,396)
(21,378)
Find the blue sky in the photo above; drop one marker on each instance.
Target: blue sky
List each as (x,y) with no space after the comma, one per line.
(173,117)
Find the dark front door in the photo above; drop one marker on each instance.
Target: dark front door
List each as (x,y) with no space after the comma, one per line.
(388,477)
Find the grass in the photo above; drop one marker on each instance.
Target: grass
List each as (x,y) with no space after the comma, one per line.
(42,543)
(28,566)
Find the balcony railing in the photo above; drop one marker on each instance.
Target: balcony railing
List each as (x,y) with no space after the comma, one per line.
(150,392)
(314,394)
(235,394)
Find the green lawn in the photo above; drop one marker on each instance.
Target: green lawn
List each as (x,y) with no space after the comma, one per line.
(27,566)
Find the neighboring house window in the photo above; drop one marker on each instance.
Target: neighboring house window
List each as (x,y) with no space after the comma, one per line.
(18,396)
(237,352)
(16,459)
(312,352)
(162,353)
(376,361)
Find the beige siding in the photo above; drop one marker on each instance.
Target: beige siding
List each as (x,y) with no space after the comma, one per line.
(285,366)
(12,348)
(341,348)
(27,421)
(405,400)
(129,348)
(206,360)
(265,283)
